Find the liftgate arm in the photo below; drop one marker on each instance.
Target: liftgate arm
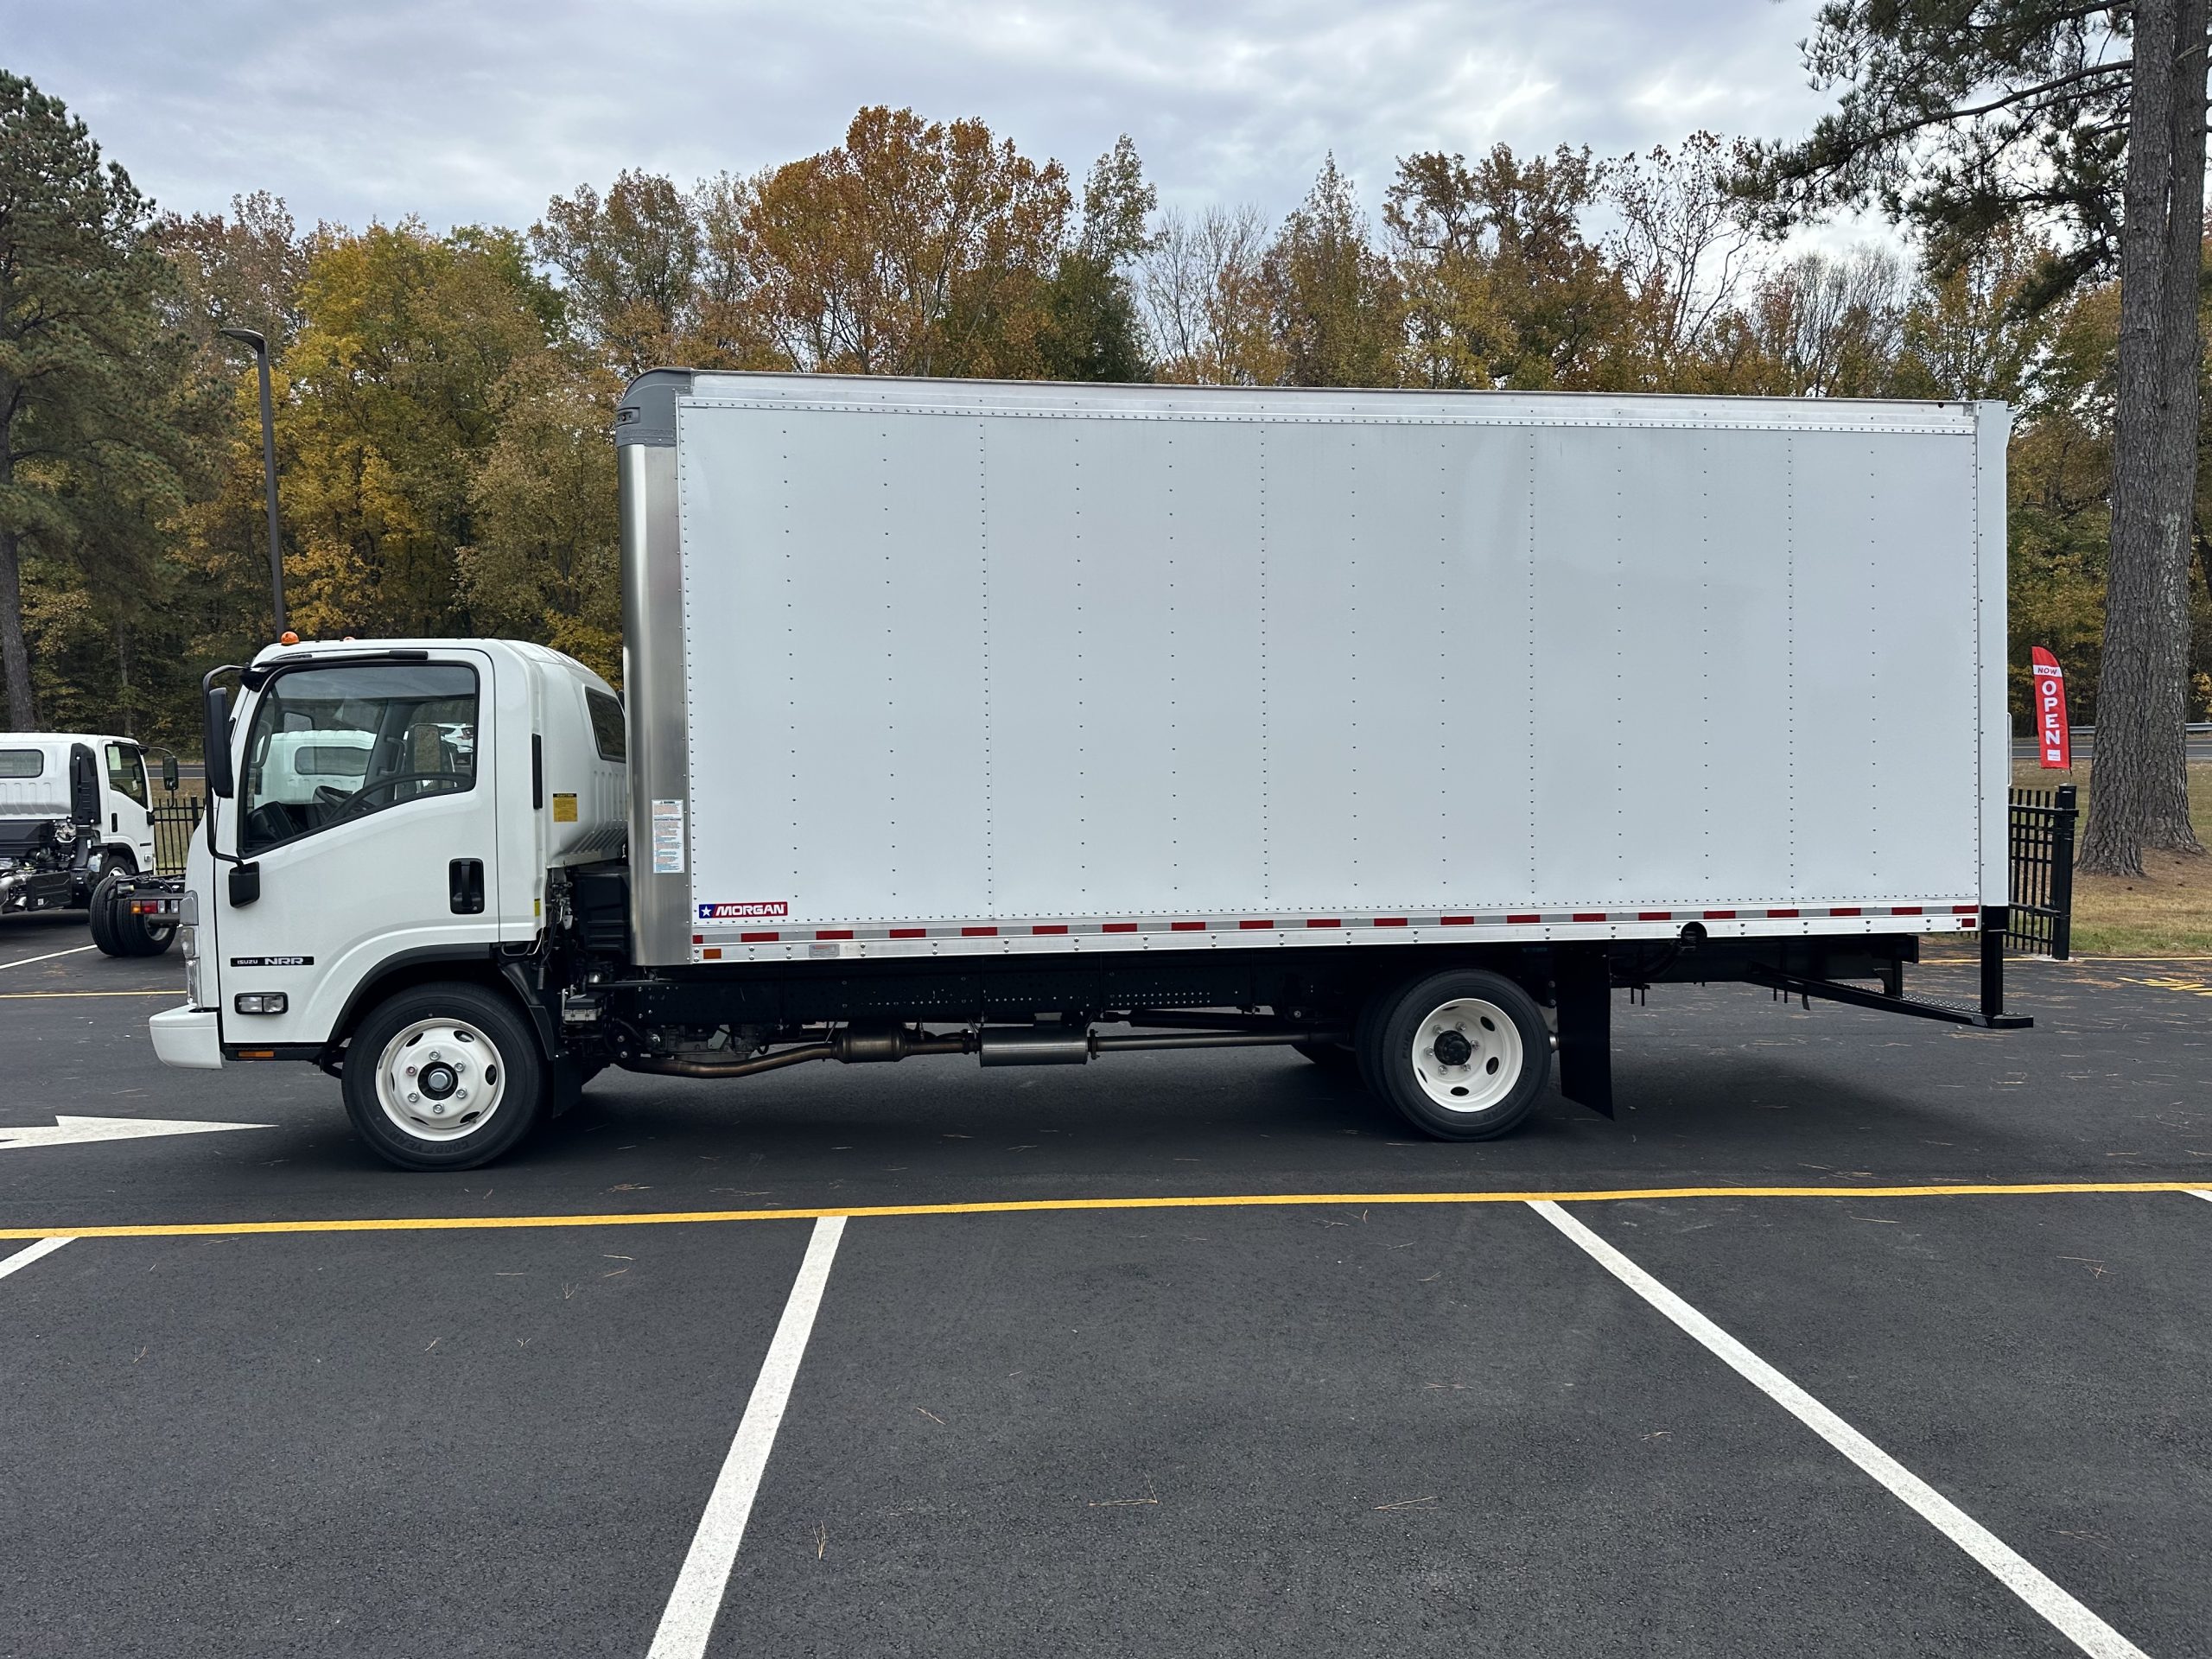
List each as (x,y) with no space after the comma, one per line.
(1990,1016)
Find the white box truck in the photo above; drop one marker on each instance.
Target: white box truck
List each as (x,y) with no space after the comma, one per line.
(1039,722)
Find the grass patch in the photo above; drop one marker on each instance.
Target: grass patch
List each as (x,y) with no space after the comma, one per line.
(2165,913)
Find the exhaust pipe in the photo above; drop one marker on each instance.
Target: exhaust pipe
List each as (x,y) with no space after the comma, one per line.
(859,1044)
(863,1044)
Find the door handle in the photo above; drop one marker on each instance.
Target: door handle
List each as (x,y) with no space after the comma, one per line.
(465,886)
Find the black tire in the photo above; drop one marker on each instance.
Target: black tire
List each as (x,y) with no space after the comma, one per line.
(474,1015)
(126,935)
(135,935)
(1507,1048)
(100,917)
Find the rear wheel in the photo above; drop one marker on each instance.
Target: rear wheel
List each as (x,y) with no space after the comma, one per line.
(133,935)
(100,917)
(1463,1054)
(445,1076)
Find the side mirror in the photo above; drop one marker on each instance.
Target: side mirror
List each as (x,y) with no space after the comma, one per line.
(84,787)
(168,771)
(215,737)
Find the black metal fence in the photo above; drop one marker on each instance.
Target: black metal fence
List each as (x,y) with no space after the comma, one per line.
(2042,923)
(174,820)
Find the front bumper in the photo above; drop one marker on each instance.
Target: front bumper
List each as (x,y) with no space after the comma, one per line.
(187,1036)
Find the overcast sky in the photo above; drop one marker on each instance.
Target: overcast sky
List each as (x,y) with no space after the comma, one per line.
(466,111)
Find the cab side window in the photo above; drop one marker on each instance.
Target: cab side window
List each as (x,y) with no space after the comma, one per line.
(333,745)
(126,771)
(606,726)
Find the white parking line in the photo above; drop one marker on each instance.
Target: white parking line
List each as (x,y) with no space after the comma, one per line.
(2074,1621)
(25,962)
(2197,1193)
(690,1618)
(30,1254)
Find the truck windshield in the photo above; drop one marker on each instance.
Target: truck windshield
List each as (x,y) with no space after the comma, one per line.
(331,745)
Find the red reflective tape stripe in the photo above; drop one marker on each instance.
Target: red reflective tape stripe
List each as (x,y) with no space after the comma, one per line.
(910,932)
(1720,915)
(1389,921)
(1119,927)
(833,933)
(1780,915)
(1845,910)
(1655,915)
(1456,921)
(1524,918)
(1965,910)
(698,938)
(759,939)
(1050,927)
(1323,921)
(1904,910)
(1589,915)
(1187,927)
(978,932)
(1256,921)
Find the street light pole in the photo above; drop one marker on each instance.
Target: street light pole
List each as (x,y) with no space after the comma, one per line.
(254,338)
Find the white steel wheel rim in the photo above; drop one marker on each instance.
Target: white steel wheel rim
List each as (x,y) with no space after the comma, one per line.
(1467,1055)
(441,1080)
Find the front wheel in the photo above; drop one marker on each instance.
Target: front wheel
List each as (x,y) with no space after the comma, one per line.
(1463,1054)
(445,1076)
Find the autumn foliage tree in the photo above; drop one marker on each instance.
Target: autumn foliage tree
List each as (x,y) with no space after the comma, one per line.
(445,400)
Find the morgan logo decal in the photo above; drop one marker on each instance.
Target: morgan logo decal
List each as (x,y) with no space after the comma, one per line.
(759,909)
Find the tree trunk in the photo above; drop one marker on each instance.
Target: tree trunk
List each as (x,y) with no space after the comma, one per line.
(15,656)
(2139,793)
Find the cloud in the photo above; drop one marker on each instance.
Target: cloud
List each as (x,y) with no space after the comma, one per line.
(464,112)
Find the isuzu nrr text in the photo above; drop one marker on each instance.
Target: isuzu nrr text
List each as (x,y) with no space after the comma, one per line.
(1038,722)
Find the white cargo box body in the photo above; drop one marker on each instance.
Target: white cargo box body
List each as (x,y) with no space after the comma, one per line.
(920,668)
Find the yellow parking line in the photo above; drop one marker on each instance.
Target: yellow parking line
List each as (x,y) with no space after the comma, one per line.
(1019,1206)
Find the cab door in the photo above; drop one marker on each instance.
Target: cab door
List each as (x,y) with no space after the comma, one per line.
(365,823)
(130,804)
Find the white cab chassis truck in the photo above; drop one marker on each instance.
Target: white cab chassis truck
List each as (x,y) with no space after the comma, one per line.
(1040,722)
(75,807)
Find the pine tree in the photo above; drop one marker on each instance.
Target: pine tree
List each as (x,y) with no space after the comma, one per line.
(2085,123)
(90,453)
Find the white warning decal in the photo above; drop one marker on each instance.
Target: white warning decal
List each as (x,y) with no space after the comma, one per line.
(667,838)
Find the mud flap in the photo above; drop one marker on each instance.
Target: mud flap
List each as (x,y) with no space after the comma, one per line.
(1582,982)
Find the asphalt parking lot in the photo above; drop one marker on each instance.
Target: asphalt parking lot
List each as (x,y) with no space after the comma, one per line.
(1074,1375)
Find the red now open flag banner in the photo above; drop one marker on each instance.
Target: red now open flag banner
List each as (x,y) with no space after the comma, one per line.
(2051,736)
